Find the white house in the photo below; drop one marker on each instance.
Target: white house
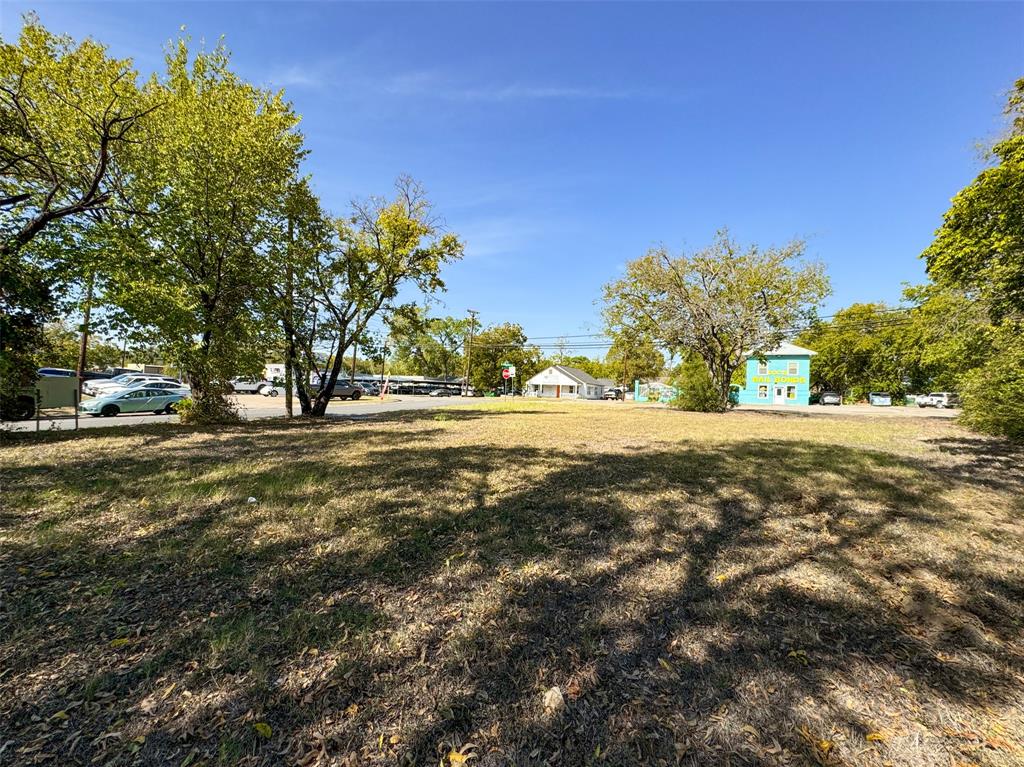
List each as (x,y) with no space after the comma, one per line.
(559,381)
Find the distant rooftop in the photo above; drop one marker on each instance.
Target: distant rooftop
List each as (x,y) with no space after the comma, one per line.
(786,349)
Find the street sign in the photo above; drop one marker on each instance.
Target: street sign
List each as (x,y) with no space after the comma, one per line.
(506,373)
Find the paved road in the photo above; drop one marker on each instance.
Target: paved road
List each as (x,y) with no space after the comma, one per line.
(911,411)
(253,407)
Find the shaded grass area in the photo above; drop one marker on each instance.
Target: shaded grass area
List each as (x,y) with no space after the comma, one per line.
(702,589)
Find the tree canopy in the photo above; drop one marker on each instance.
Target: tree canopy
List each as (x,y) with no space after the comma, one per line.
(356,275)
(980,245)
(221,155)
(499,344)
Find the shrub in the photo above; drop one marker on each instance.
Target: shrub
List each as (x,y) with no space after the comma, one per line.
(212,408)
(993,395)
(696,391)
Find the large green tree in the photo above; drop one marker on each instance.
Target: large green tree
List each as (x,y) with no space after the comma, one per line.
(496,345)
(429,346)
(633,356)
(69,116)
(69,120)
(723,303)
(222,154)
(980,245)
(62,347)
(863,348)
(993,393)
(302,233)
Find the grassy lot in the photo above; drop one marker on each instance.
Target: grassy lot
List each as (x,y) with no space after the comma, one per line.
(742,589)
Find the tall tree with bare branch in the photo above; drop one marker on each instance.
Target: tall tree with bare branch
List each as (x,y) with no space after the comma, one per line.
(383,246)
(723,303)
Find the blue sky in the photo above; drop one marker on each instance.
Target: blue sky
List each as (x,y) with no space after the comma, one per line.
(562,140)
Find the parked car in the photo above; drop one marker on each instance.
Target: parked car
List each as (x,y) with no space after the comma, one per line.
(87,375)
(439,393)
(613,393)
(123,381)
(276,390)
(880,399)
(136,382)
(248,385)
(143,400)
(939,399)
(176,386)
(830,398)
(346,390)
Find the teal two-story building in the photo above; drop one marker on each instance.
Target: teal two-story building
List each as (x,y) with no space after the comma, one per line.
(782,378)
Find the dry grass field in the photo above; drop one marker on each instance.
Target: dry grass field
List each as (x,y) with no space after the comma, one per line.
(738,589)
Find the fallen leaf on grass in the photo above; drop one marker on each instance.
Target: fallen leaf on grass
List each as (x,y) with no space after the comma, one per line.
(553,700)
(874,737)
(799,655)
(122,642)
(263,729)
(461,756)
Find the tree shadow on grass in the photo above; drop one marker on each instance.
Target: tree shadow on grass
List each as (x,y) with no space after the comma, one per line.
(763,602)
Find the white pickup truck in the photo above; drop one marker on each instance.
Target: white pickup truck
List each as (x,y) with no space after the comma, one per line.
(939,399)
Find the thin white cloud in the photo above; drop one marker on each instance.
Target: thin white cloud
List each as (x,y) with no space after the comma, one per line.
(296,76)
(434,84)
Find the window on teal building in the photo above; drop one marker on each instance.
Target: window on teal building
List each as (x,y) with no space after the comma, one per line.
(794,368)
(762,391)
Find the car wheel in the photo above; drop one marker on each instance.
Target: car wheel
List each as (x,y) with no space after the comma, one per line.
(110,410)
(272,393)
(356,394)
(24,408)
(169,409)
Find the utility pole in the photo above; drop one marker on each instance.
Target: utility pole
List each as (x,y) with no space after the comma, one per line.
(469,350)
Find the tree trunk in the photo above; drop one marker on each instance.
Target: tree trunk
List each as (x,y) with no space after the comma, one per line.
(289,362)
(289,330)
(83,346)
(323,397)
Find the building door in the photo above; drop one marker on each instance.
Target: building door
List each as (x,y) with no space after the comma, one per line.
(780,395)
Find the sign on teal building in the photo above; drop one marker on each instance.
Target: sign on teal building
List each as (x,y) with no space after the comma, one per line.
(782,378)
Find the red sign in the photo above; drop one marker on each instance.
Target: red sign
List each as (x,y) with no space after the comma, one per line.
(505,373)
